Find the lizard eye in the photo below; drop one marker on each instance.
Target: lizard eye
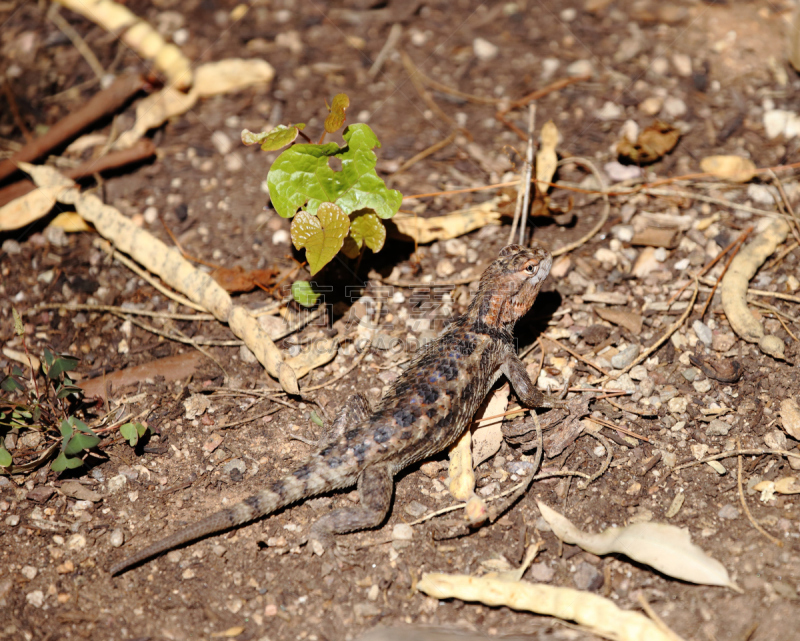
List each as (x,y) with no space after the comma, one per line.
(531,269)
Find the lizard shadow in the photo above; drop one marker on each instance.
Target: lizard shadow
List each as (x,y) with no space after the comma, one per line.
(534,323)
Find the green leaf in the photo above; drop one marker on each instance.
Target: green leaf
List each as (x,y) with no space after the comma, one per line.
(5,457)
(303,293)
(279,137)
(301,176)
(359,185)
(321,235)
(129,433)
(66,429)
(19,328)
(337,116)
(16,370)
(316,419)
(10,384)
(66,390)
(81,442)
(60,365)
(48,357)
(62,463)
(80,425)
(367,229)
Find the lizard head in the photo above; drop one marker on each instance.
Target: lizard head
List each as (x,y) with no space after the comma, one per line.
(509,286)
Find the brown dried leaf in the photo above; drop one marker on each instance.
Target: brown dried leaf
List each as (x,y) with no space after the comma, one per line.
(653,143)
(237,279)
(487,437)
(629,320)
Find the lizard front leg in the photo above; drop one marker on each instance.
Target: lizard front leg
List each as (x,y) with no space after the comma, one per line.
(528,393)
(375,488)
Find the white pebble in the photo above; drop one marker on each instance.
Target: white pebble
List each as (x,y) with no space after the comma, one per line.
(233,162)
(568,15)
(180,37)
(116,483)
(76,542)
(35,598)
(150,215)
(221,142)
(455,247)
(445,268)
(661,254)
(683,64)
(398,297)
(281,237)
(703,332)
(117,538)
(610,111)
(673,107)
(174,556)
(402,532)
(580,68)
(29,572)
(659,66)
(651,106)
(549,67)
(484,50)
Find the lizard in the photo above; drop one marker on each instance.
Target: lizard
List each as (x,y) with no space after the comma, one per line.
(424,411)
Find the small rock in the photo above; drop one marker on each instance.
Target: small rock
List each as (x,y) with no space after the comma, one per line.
(703,332)
(128,472)
(67,567)
(246,355)
(690,373)
(520,468)
(625,382)
(542,572)
(174,556)
(790,417)
(683,64)
(76,490)
(281,237)
(489,489)
(625,357)
(617,172)
(580,68)
(549,67)
(196,405)
(610,111)
(651,106)
(35,598)
(415,509)
(659,66)
(219,550)
(775,440)
(606,256)
(702,387)
(56,236)
(402,532)
(568,15)
(116,483)
(40,494)
(778,121)
(718,427)
(678,404)
(638,373)
(188,573)
(728,511)
(29,572)
(76,542)
(374,592)
(455,247)
(150,215)
(234,464)
(484,50)
(587,577)
(221,142)
(233,162)
(116,538)
(722,342)
(445,268)
(12,520)
(11,247)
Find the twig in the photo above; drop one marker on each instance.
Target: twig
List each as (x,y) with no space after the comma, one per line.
(391,42)
(787,203)
(85,307)
(656,619)
(606,210)
(75,38)
(102,103)
(611,426)
(777,542)
(143,149)
(732,453)
(526,203)
(413,74)
(426,152)
(778,314)
(249,419)
(760,292)
(630,409)
(669,193)
(14,109)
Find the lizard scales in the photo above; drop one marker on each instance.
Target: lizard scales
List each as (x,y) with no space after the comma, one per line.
(425,410)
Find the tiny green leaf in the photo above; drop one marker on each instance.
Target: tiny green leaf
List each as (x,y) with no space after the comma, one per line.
(66,429)
(19,328)
(367,229)
(316,419)
(48,357)
(279,137)
(66,390)
(62,364)
(5,457)
(304,293)
(10,384)
(80,425)
(81,442)
(321,235)
(129,433)
(337,116)
(62,462)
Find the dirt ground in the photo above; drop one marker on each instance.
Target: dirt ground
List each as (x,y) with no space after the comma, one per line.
(714,70)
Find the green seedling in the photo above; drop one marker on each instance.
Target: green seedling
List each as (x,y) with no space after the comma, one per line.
(132,432)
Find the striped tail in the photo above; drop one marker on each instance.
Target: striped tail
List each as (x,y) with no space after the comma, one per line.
(280,494)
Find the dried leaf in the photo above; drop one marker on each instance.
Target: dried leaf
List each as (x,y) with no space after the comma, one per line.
(25,209)
(70,221)
(733,168)
(629,320)
(787,485)
(337,116)
(229,75)
(427,230)
(314,355)
(487,437)
(461,472)
(321,235)
(653,143)
(790,417)
(546,158)
(664,547)
(154,110)
(597,613)
(237,279)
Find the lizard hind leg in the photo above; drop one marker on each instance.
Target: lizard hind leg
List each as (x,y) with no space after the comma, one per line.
(375,489)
